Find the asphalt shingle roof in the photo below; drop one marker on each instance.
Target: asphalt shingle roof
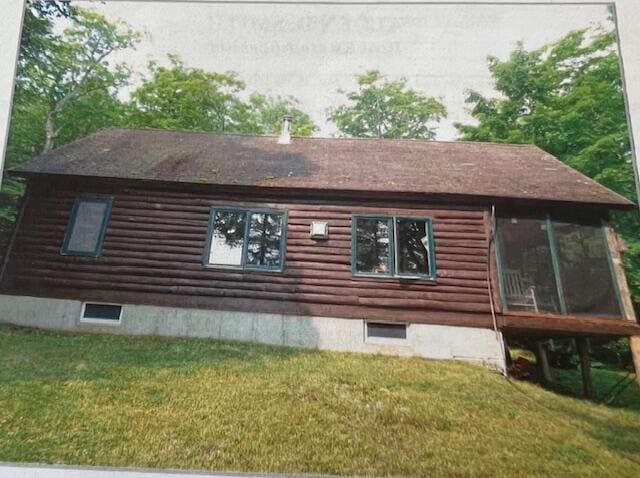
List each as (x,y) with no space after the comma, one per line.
(489,170)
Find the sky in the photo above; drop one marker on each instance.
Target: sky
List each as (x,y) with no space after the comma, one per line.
(312,51)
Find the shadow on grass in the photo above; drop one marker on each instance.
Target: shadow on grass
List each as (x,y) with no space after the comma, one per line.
(605,380)
(620,439)
(34,355)
(615,436)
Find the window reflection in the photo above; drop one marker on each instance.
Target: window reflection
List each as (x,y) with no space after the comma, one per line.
(227,238)
(372,239)
(265,233)
(412,246)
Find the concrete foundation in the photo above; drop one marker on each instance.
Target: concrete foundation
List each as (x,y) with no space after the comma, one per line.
(326,333)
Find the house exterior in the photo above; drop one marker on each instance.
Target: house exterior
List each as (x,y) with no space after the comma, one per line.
(434,249)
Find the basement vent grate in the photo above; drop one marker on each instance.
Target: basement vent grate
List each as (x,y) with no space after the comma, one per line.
(101,313)
(387,331)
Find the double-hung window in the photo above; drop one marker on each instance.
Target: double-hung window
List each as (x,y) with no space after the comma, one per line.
(393,246)
(87,226)
(240,238)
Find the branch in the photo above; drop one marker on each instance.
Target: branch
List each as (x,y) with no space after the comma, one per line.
(77,90)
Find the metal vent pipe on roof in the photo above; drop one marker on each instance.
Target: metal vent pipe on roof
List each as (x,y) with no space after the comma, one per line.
(285,134)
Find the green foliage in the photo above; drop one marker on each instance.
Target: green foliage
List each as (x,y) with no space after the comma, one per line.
(267,113)
(613,353)
(65,76)
(65,85)
(79,67)
(65,88)
(567,98)
(382,108)
(177,97)
(37,28)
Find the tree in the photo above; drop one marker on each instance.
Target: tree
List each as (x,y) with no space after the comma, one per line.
(267,112)
(566,98)
(65,86)
(78,66)
(381,108)
(178,97)
(36,47)
(37,28)
(58,72)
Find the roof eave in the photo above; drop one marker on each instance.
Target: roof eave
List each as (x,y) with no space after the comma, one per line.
(622,205)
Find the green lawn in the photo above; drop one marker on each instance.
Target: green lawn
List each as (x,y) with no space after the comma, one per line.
(200,404)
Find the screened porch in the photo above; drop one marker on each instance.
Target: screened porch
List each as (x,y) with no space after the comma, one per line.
(548,265)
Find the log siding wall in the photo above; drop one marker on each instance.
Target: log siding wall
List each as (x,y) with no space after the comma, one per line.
(154,244)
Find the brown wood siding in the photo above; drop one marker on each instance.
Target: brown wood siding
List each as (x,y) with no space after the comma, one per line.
(155,242)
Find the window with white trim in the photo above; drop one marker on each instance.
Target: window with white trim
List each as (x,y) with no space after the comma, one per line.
(101,313)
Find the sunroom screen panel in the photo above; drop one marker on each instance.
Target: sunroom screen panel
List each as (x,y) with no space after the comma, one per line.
(585,270)
(528,279)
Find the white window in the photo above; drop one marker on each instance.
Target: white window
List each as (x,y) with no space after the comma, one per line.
(101,313)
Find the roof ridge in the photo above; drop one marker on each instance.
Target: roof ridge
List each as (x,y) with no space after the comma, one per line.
(330,138)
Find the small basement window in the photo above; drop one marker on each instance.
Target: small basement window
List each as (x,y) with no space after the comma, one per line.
(386,331)
(101,313)
(87,227)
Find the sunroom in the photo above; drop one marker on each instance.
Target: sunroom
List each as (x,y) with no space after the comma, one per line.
(555,265)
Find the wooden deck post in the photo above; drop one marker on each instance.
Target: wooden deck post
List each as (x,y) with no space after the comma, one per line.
(543,362)
(634,345)
(616,247)
(585,366)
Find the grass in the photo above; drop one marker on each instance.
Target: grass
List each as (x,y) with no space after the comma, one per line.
(604,379)
(603,376)
(201,404)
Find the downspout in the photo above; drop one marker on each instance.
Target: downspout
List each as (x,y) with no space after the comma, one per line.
(499,336)
(14,233)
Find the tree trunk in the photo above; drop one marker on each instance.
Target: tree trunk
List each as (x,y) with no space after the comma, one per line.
(49,132)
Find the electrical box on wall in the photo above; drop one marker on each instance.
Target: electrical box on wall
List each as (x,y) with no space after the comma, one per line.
(319,230)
